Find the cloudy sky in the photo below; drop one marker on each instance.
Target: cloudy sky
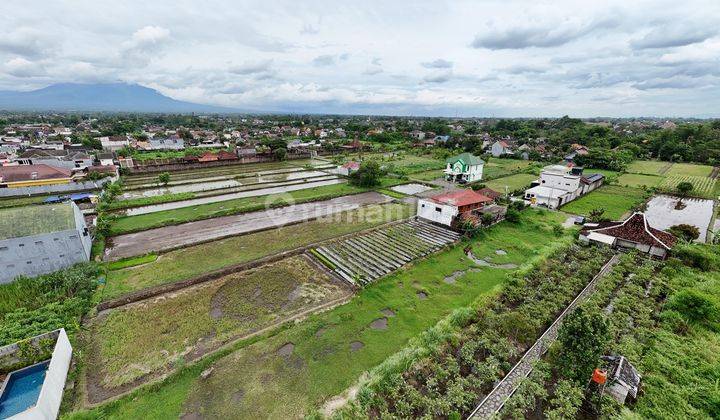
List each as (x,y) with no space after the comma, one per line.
(451,58)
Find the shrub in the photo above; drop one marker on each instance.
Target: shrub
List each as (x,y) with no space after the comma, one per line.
(695,305)
(368,175)
(583,336)
(685,232)
(697,256)
(512,215)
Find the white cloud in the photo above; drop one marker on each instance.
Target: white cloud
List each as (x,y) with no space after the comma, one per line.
(498,57)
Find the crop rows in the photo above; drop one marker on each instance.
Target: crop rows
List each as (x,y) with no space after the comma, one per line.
(703,186)
(364,258)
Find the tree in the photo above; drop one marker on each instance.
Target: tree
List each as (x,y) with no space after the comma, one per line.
(565,402)
(512,215)
(596,215)
(684,188)
(280,153)
(685,232)
(368,175)
(164,179)
(583,336)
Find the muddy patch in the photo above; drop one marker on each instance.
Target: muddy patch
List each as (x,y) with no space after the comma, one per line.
(356,345)
(452,278)
(238,396)
(286,350)
(379,324)
(422,295)
(485,263)
(500,252)
(388,312)
(319,333)
(216,312)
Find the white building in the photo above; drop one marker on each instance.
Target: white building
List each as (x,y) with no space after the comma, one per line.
(560,184)
(445,208)
(114,143)
(464,168)
(499,148)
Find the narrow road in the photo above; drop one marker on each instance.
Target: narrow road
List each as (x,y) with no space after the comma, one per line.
(173,237)
(495,400)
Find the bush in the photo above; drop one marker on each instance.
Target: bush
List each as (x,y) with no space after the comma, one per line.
(698,256)
(685,232)
(368,175)
(695,305)
(512,215)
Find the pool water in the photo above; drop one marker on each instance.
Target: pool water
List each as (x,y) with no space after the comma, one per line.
(22,389)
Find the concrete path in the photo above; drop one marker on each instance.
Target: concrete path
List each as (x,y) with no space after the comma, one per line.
(173,237)
(495,400)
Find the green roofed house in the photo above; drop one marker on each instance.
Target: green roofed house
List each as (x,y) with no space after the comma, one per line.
(464,168)
(41,239)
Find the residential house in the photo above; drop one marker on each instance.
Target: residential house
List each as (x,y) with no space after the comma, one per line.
(105,158)
(633,233)
(348,168)
(61,159)
(577,150)
(32,175)
(417,135)
(445,208)
(114,143)
(170,143)
(500,148)
(560,184)
(464,168)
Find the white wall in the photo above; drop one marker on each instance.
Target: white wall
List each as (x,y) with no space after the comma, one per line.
(48,404)
(438,213)
(559,181)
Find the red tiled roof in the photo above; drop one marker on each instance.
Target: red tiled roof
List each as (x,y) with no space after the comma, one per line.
(635,229)
(24,172)
(225,155)
(461,198)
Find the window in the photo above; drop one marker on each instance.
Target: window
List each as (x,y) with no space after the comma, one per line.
(3,248)
(543,181)
(438,209)
(423,205)
(21,245)
(38,242)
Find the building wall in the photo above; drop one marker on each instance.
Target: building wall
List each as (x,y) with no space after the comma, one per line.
(50,398)
(438,213)
(41,254)
(497,149)
(65,187)
(559,181)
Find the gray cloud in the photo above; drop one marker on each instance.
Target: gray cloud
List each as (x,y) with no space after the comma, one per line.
(438,77)
(549,35)
(437,64)
(252,67)
(324,60)
(676,36)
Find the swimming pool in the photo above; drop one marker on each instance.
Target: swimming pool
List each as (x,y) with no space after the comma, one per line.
(22,389)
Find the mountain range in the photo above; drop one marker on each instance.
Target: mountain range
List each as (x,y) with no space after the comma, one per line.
(100,97)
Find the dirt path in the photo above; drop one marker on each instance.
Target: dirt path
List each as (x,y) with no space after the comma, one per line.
(173,237)
(715,172)
(494,401)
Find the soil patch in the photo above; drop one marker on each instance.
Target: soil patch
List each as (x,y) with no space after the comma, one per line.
(356,345)
(422,295)
(321,331)
(388,312)
(452,278)
(379,324)
(485,263)
(286,350)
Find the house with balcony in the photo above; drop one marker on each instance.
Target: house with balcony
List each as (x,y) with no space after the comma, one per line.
(463,168)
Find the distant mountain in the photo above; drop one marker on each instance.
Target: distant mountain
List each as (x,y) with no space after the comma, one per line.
(103,97)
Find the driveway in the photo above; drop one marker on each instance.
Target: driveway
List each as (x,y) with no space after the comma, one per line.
(173,237)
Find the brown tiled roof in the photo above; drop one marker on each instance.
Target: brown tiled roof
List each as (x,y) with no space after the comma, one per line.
(635,229)
(460,198)
(24,173)
(489,192)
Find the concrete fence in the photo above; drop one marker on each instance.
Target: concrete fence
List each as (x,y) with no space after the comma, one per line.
(170,165)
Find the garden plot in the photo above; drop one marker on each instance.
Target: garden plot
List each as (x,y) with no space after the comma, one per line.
(135,343)
(702,186)
(365,258)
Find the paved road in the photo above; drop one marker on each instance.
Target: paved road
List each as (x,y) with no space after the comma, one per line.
(495,400)
(172,237)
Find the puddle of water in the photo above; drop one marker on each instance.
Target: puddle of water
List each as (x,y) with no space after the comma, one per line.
(661,213)
(356,345)
(225,197)
(379,324)
(411,189)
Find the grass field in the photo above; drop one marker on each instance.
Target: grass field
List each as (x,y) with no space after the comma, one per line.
(512,182)
(614,199)
(648,167)
(407,162)
(154,335)
(496,168)
(21,201)
(702,186)
(689,169)
(427,175)
(332,349)
(638,180)
(199,259)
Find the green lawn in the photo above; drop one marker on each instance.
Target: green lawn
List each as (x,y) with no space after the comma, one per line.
(255,381)
(405,161)
(31,220)
(496,168)
(690,169)
(137,223)
(189,262)
(512,182)
(638,180)
(608,173)
(614,199)
(427,175)
(648,167)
